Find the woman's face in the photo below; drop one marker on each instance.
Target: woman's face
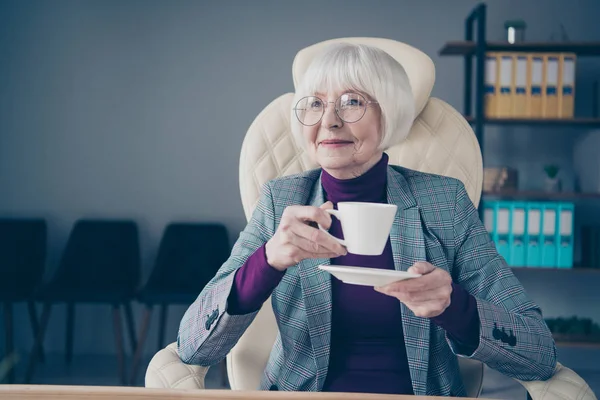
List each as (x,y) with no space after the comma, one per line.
(345,150)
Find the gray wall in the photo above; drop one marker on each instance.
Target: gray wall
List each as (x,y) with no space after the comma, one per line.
(138,109)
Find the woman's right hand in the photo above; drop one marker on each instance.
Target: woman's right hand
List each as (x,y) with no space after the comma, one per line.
(295,240)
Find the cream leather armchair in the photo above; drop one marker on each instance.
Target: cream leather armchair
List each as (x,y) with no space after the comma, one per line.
(440,142)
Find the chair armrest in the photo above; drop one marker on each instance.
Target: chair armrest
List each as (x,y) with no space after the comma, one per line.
(166,370)
(564,384)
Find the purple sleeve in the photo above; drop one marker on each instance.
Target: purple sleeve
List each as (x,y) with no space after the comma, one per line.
(253,284)
(461,319)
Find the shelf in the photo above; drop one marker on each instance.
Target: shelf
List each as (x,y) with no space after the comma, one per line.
(539,195)
(555,122)
(465,48)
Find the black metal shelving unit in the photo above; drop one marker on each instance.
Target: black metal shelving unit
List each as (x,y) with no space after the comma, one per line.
(473,49)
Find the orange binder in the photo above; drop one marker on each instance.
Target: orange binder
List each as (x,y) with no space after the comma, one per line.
(566,100)
(491,85)
(504,104)
(551,95)
(536,63)
(521,86)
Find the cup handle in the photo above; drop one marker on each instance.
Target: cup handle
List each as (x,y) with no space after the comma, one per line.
(338,215)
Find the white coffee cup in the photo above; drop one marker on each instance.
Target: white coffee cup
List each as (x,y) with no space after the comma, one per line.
(366,226)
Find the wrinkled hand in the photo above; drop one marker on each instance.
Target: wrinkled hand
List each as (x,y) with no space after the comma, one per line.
(426,296)
(295,240)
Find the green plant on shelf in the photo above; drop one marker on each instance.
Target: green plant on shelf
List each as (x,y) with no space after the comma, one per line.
(552,170)
(552,184)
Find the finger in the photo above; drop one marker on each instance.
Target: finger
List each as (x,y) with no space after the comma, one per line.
(296,255)
(319,237)
(425,282)
(421,267)
(310,246)
(428,309)
(422,297)
(322,255)
(309,213)
(436,279)
(328,205)
(325,206)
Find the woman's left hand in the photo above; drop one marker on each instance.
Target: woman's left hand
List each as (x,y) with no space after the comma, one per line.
(426,296)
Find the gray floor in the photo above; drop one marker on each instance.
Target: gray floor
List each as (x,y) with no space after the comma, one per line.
(101,370)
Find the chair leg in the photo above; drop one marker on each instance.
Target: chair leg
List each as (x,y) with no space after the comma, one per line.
(119,342)
(35,326)
(162,327)
(10,345)
(140,345)
(130,326)
(70,329)
(39,340)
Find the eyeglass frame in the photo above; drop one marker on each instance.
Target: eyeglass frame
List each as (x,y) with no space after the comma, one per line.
(368,102)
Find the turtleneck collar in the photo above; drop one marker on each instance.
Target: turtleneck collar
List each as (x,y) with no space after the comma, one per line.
(369,187)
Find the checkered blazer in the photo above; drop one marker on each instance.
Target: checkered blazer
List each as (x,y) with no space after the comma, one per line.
(436,221)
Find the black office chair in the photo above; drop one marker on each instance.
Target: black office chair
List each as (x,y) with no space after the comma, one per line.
(22,262)
(189,256)
(100,264)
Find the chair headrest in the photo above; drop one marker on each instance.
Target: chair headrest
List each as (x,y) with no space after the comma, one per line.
(418,66)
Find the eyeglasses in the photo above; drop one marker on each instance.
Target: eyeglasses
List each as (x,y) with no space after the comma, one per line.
(349,107)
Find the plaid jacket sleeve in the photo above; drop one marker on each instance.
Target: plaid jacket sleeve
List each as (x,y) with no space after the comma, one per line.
(514,338)
(207,332)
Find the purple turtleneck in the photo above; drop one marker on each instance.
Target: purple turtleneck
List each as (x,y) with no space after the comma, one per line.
(368,354)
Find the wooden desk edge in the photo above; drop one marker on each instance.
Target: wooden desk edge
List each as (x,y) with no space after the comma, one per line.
(30,392)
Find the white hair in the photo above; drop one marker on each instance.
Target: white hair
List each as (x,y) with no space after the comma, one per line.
(366,69)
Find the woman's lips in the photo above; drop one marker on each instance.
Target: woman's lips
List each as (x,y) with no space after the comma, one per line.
(335,143)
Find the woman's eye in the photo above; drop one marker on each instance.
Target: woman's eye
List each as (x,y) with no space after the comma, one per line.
(351,103)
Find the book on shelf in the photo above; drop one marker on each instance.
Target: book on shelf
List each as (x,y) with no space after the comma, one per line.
(529,85)
(522,90)
(531,233)
(536,82)
(506,86)
(491,81)
(566,100)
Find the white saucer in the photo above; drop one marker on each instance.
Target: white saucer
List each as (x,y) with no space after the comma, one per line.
(367,276)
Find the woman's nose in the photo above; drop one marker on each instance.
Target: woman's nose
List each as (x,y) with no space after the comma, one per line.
(330,117)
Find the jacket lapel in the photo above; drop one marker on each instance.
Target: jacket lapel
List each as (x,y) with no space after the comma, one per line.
(316,289)
(408,247)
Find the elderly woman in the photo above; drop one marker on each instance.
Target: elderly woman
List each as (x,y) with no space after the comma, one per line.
(354,102)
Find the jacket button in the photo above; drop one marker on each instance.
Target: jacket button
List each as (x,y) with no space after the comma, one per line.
(512,339)
(496,334)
